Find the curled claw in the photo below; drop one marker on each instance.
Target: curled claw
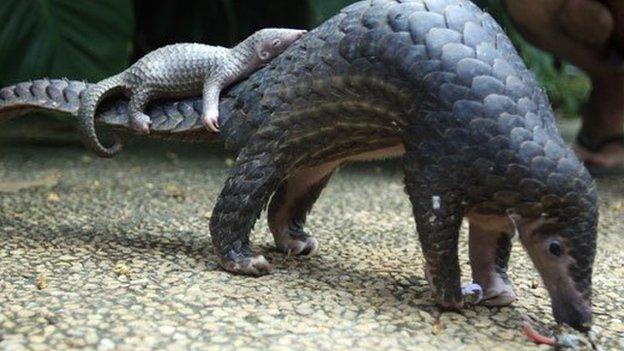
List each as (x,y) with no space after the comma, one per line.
(211,122)
(141,124)
(144,129)
(295,243)
(256,265)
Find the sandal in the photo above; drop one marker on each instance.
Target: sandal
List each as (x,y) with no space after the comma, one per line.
(586,146)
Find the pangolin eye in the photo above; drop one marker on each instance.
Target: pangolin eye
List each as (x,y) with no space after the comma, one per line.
(276,42)
(555,248)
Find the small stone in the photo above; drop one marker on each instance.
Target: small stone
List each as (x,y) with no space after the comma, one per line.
(38,339)
(25,314)
(179,337)
(106,344)
(220,339)
(76,267)
(437,327)
(220,313)
(617,326)
(38,346)
(91,337)
(305,310)
(122,269)
(175,191)
(53,197)
(506,335)
(42,281)
(167,329)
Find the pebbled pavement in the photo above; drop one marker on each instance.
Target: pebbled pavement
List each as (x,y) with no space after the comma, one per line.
(115,255)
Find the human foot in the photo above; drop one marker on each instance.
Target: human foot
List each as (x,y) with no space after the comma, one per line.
(602,156)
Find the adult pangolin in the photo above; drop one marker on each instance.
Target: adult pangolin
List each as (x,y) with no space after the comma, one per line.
(436,82)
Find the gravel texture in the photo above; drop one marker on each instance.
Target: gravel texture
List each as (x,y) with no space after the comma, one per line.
(116,255)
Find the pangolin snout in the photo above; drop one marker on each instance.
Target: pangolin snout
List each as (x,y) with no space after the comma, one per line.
(576,314)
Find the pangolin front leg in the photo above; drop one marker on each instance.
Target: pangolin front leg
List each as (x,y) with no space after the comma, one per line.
(210,101)
(290,206)
(138,119)
(252,181)
(438,215)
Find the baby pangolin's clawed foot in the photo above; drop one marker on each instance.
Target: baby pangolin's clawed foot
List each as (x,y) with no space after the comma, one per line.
(295,242)
(211,121)
(141,124)
(256,265)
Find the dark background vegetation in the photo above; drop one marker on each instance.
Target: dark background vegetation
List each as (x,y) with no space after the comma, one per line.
(93,39)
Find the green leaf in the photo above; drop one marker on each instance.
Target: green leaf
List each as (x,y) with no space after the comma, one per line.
(321,10)
(64,38)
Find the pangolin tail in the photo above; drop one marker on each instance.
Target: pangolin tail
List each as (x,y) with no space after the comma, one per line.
(58,95)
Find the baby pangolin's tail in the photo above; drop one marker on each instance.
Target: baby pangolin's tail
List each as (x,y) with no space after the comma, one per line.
(93,95)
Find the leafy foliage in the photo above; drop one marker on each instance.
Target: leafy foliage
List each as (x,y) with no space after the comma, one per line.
(218,22)
(64,38)
(567,87)
(320,10)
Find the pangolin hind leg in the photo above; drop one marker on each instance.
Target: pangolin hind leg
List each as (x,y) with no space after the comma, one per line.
(246,192)
(290,206)
(489,249)
(139,121)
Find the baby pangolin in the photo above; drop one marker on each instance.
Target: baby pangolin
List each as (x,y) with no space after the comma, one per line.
(182,70)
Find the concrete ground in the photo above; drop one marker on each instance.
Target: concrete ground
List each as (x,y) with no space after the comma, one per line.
(116,255)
